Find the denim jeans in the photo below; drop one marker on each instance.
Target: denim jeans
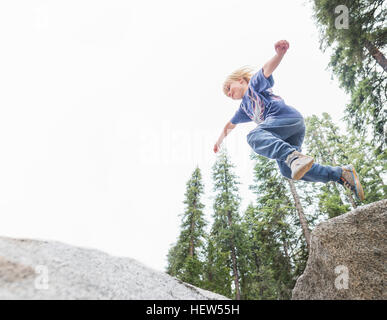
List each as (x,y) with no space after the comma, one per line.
(276,138)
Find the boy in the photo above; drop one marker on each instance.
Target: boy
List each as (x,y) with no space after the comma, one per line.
(281,128)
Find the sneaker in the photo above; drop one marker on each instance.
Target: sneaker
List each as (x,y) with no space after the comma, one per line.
(299,164)
(350,180)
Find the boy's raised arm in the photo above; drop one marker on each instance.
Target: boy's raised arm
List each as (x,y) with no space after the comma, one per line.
(280,47)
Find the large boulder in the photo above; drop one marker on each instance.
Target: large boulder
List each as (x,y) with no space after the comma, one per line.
(347,258)
(31,269)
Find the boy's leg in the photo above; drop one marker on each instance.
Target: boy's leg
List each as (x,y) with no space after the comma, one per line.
(268,139)
(346,176)
(317,173)
(277,138)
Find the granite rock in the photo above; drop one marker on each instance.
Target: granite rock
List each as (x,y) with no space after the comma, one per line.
(33,269)
(347,259)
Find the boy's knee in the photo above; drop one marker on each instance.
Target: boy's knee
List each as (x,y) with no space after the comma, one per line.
(252,136)
(248,138)
(249,135)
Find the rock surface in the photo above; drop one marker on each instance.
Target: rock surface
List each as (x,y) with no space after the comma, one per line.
(31,269)
(347,259)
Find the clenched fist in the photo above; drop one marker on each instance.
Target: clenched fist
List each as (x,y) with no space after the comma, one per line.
(281,47)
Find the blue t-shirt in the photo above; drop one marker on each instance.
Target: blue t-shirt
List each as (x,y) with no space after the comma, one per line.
(259,102)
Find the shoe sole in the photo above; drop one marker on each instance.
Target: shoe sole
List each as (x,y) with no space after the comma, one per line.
(303,170)
(358,187)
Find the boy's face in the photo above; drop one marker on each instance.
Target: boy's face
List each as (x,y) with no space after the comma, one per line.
(237,89)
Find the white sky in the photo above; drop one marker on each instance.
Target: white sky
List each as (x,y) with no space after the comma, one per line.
(108,106)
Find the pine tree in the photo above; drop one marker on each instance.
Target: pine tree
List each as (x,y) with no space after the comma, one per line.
(217,275)
(271,237)
(358,61)
(184,258)
(370,168)
(324,141)
(225,232)
(325,144)
(300,211)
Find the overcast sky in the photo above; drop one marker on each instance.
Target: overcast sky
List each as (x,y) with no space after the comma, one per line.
(108,106)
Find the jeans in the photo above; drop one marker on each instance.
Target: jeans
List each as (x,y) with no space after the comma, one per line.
(276,138)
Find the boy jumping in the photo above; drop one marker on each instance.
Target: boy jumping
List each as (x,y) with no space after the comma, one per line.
(281,128)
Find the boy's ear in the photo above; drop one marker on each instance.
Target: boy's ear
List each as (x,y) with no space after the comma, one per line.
(241,81)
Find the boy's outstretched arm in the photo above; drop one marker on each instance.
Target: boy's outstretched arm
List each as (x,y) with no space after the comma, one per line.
(280,47)
(227,129)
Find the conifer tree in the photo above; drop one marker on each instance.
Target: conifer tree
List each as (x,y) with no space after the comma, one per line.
(225,231)
(358,60)
(217,275)
(185,259)
(300,210)
(370,168)
(272,239)
(324,143)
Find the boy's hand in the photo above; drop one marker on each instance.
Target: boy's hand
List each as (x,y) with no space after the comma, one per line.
(281,47)
(216,147)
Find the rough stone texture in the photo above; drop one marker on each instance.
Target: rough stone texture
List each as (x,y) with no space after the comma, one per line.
(356,242)
(31,269)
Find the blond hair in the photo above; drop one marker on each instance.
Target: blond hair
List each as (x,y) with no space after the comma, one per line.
(245,73)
